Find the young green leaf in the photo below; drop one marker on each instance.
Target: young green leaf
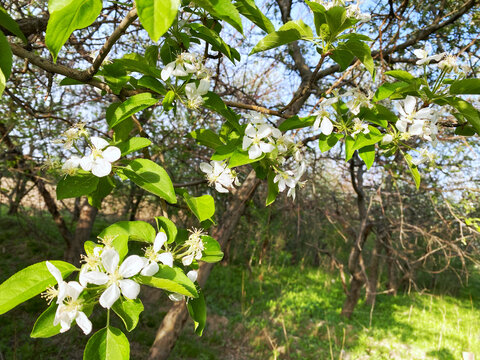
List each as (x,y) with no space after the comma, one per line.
(151,177)
(11,25)
(44,327)
(170,279)
(203,207)
(214,39)
(133,230)
(291,31)
(207,137)
(272,188)
(131,106)
(466,86)
(222,9)
(212,251)
(362,51)
(248,9)
(156,16)
(129,311)
(5,57)
(30,282)
(76,185)
(67,16)
(413,170)
(198,312)
(133,144)
(107,344)
(326,142)
(104,187)
(367,154)
(296,122)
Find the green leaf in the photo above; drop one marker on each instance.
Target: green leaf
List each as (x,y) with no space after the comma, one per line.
(296,122)
(151,177)
(466,86)
(167,101)
(156,16)
(362,51)
(215,40)
(29,282)
(44,327)
(11,25)
(326,142)
(349,147)
(362,140)
(131,106)
(139,64)
(291,31)
(198,312)
(413,170)
(67,16)
(272,188)
(170,279)
(240,157)
(215,103)
(342,56)
(129,311)
(206,137)
(400,75)
(471,114)
(168,226)
(465,131)
(104,187)
(133,230)
(133,144)
(153,84)
(222,9)
(2,82)
(367,154)
(5,57)
(151,55)
(76,185)
(248,9)
(388,89)
(107,344)
(335,17)
(212,251)
(203,206)
(355,36)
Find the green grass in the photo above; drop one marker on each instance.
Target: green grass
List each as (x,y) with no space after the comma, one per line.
(276,312)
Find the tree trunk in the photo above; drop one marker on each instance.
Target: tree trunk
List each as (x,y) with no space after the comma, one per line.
(391,274)
(82,233)
(373,271)
(20,192)
(173,322)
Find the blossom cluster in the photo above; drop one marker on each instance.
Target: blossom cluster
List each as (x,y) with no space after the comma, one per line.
(219,175)
(104,278)
(353,10)
(287,156)
(445,61)
(190,66)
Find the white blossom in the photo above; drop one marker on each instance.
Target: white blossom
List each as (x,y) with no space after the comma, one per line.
(153,256)
(449,63)
(71,165)
(184,64)
(423,55)
(410,116)
(116,277)
(387,139)
(322,120)
(219,174)
(194,246)
(253,141)
(100,160)
(358,99)
(359,126)
(195,92)
(353,11)
(425,156)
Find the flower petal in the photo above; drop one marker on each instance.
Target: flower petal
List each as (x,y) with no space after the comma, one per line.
(409,104)
(167,71)
(166,258)
(160,239)
(110,260)
(206,167)
(83,323)
(131,266)
(98,142)
(55,272)
(109,296)
(150,270)
(326,126)
(86,162)
(254,152)
(111,153)
(176,297)
(247,141)
(192,275)
(187,260)
(74,289)
(94,277)
(101,167)
(130,289)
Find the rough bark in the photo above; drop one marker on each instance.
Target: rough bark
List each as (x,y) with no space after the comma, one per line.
(20,192)
(355,258)
(82,233)
(173,322)
(373,269)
